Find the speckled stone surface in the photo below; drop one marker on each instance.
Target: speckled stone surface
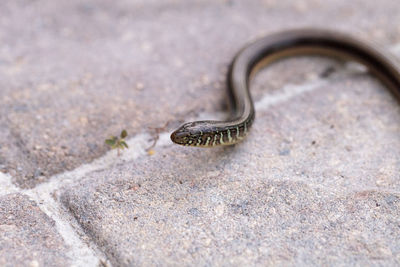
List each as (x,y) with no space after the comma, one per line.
(317,181)
(27,236)
(83,71)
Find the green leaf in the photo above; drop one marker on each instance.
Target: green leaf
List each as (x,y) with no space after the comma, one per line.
(110,142)
(115,146)
(124,144)
(124,134)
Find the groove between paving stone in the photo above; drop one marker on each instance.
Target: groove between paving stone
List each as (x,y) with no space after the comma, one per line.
(6,185)
(396,49)
(80,253)
(67,227)
(139,142)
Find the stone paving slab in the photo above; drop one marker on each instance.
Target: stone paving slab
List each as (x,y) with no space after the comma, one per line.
(316,183)
(27,236)
(83,71)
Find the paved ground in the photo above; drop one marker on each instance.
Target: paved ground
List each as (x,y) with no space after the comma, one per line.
(316,183)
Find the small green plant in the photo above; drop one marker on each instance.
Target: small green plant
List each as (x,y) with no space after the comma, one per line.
(118,142)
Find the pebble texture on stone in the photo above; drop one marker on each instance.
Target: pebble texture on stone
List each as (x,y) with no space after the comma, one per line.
(315,187)
(27,236)
(316,183)
(82,71)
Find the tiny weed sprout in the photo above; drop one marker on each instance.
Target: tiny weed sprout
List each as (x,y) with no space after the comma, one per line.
(118,142)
